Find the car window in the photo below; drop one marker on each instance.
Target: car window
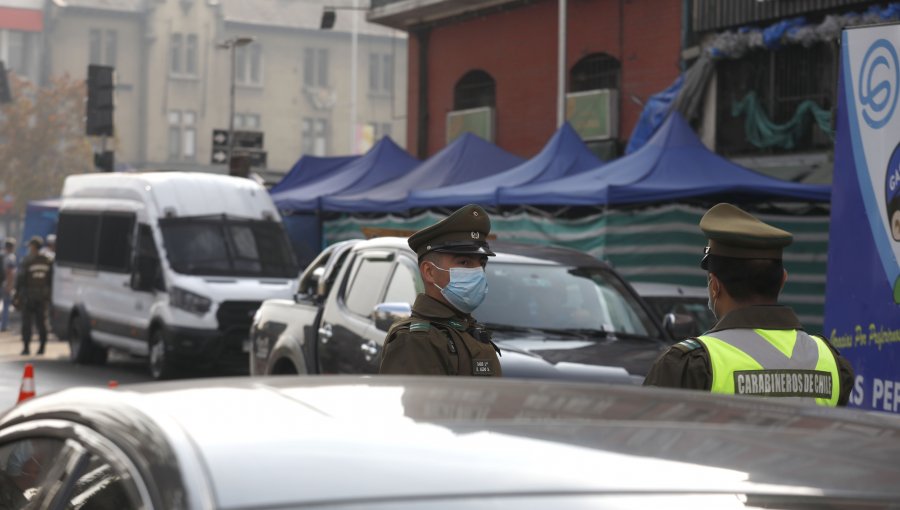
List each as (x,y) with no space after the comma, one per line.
(403,285)
(366,282)
(25,467)
(557,297)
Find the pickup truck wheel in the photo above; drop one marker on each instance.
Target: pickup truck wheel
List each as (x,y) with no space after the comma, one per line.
(161,364)
(81,348)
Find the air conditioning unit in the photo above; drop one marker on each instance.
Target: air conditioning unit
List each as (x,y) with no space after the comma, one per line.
(594,114)
(479,121)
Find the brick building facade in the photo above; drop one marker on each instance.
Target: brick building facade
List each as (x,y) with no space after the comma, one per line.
(635,43)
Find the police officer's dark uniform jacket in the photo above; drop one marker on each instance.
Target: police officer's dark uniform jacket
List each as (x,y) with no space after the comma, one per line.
(33,295)
(757,350)
(438,339)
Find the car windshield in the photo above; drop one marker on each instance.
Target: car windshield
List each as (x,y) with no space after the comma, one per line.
(224,246)
(561,298)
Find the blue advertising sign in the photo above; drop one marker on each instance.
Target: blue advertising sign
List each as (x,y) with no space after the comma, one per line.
(862,297)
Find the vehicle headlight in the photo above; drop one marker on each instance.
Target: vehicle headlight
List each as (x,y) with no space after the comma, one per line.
(189,301)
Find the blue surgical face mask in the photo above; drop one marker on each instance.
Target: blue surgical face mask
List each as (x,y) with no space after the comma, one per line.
(467,288)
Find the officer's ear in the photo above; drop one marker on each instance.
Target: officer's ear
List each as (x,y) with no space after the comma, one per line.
(426,269)
(783,280)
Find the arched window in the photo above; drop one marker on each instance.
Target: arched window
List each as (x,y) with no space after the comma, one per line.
(595,71)
(473,90)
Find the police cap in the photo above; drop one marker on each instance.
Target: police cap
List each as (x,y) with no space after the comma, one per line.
(465,231)
(734,233)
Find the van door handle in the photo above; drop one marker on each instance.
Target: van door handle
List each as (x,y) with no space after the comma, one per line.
(325,333)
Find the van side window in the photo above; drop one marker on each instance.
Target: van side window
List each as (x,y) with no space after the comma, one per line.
(76,242)
(116,238)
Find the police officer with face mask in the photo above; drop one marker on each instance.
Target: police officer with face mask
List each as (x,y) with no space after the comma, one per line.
(757,347)
(441,337)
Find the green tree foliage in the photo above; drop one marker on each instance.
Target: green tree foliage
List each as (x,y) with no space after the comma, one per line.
(42,138)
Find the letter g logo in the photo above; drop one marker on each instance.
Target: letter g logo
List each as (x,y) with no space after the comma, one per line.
(878,81)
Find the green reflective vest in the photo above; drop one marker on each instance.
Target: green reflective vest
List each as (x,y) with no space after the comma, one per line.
(787,364)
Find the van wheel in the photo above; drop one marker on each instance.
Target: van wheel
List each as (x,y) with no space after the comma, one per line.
(81,348)
(161,364)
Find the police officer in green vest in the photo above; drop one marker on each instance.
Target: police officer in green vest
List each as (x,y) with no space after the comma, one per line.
(757,347)
(441,337)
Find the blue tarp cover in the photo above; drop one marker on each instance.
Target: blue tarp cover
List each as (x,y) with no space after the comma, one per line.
(310,168)
(41,217)
(564,155)
(466,159)
(673,165)
(384,162)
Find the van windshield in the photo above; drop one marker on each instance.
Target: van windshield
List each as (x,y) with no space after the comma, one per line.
(223,246)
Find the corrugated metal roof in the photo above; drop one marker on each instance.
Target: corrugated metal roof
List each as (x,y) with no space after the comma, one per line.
(718,14)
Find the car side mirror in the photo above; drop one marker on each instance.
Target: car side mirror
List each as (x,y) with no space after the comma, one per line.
(310,287)
(680,325)
(385,314)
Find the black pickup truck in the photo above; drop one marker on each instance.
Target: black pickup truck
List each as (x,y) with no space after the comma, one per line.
(554,313)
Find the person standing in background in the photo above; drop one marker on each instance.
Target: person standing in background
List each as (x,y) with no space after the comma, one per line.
(33,293)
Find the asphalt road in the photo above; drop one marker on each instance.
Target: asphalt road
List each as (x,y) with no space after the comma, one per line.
(53,371)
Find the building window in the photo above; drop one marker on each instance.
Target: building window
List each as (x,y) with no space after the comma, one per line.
(381,73)
(594,72)
(315,137)
(190,55)
(315,67)
(781,80)
(103,47)
(380,129)
(248,64)
(475,89)
(175,54)
(183,55)
(246,121)
(182,135)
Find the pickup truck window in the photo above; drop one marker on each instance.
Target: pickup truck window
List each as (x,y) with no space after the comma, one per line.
(402,287)
(561,298)
(364,287)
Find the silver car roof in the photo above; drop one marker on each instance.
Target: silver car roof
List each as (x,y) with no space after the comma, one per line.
(291,440)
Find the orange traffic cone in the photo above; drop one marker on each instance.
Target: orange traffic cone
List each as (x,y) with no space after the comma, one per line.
(26,391)
(113,383)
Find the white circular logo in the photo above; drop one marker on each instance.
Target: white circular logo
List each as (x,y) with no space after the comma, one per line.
(475,235)
(878,81)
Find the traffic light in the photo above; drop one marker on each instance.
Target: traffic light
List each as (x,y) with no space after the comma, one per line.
(100,106)
(104,160)
(5,95)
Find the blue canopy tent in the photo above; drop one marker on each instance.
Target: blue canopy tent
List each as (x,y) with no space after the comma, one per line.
(564,155)
(466,159)
(673,165)
(310,168)
(298,204)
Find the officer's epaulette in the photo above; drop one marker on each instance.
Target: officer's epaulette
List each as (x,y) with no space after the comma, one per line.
(688,345)
(418,325)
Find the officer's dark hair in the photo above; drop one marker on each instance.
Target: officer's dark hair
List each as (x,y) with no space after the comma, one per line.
(432,256)
(9,244)
(747,279)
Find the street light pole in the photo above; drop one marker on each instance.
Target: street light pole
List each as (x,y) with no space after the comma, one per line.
(232,45)
(561,67)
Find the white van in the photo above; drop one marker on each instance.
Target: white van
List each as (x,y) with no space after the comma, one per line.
(168,265)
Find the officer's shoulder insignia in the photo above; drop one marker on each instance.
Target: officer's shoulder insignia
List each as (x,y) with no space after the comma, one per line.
(455,324)
(688,345)
(419,326)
